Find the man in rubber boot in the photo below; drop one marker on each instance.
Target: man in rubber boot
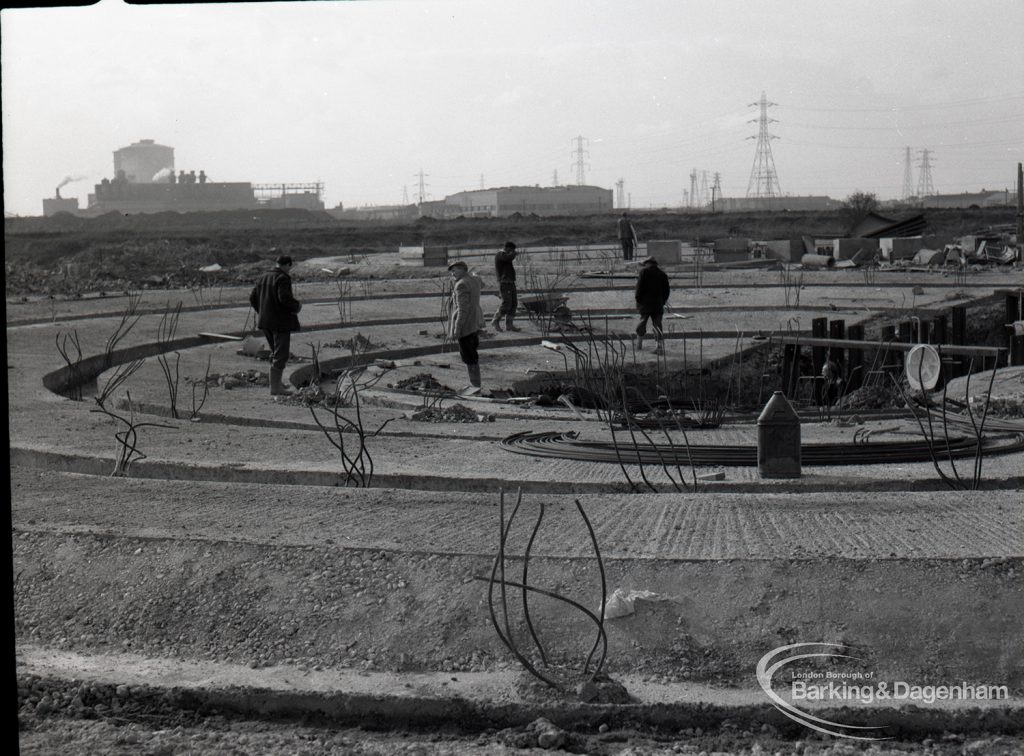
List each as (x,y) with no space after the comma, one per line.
(277,313)
(506,274)
(652,292)
(466,321)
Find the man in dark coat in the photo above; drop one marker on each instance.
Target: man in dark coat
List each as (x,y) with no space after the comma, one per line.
(506,274)
(627,236)
(652,292)
(277,313)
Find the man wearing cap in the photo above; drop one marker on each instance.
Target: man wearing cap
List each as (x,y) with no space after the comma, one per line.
(277,313)
(466,320)
(506,274)
(652,292)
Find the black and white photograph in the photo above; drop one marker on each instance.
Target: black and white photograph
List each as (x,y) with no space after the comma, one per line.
(448,377)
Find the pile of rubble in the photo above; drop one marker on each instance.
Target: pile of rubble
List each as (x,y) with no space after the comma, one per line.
(240,379)
(422,382)
(314,396)
(1007,407)
(453,413)
(358,344)
(871,397)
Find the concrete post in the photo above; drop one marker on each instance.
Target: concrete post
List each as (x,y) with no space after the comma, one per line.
(778,439)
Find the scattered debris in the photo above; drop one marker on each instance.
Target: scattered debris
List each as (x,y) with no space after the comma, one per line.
(927,256)
(548,736)
(252,346)
(239,379)
(1011,407)
(623,603)
(568,403)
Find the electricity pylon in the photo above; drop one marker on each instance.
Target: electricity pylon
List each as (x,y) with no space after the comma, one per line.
(423,187)
(908,179)
(925,188)
(764,181)
(580,163)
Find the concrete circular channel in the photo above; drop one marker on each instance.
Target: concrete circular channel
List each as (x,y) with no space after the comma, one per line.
(736,570)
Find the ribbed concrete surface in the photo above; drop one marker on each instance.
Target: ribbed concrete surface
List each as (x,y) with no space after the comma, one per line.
(673,527)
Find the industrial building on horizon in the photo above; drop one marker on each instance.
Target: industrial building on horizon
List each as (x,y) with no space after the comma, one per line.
(496,202)
(145,182)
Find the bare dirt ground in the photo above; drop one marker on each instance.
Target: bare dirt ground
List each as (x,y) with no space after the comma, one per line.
(228,596)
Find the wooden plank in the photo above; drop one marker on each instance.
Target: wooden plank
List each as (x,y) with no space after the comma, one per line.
(976,351)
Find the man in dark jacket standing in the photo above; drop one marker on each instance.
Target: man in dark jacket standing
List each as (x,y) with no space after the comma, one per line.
(627,236)
(506,274)
(277,313)
(652,292)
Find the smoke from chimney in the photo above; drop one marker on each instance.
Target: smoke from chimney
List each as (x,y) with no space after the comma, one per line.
(68,180)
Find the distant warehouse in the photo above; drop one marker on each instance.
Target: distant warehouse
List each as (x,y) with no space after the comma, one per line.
(501,202)
(525,200)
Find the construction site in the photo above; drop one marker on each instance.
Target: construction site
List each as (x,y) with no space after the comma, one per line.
(606,550)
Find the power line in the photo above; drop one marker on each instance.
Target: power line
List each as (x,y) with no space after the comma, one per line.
(935,125)
(887,148)
(927,106)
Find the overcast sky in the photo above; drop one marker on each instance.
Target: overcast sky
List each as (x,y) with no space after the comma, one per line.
(365,95)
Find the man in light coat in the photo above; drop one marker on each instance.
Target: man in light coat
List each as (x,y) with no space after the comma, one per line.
(466,321)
